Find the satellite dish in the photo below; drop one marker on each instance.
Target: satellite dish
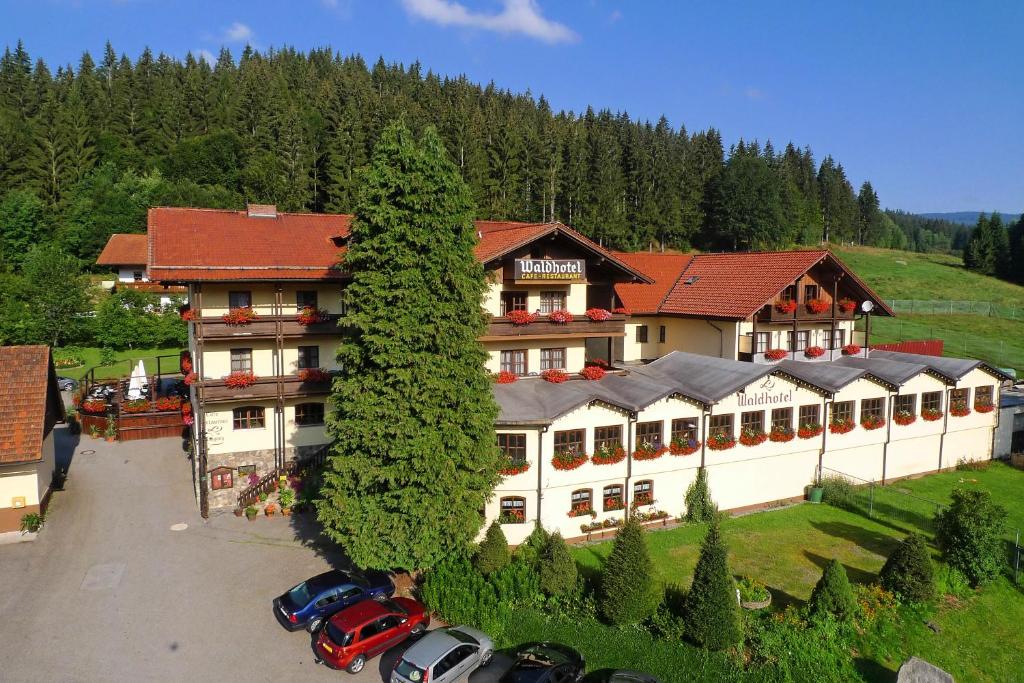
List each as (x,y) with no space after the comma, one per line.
(867,306)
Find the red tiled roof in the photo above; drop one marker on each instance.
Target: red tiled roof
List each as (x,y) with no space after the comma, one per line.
(123,249)
(27,385)
(663,269)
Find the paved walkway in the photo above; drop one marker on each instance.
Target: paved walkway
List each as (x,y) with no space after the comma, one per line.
(109,592)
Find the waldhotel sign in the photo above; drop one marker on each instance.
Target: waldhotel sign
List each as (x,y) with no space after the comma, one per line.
(550,269)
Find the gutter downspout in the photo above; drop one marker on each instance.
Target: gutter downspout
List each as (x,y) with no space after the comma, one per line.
(824,437)
(631,419)
(945,426)
(721,338)
(704,435)
(541,431)
(888,435)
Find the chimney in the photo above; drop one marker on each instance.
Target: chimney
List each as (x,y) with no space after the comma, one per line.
(261,210)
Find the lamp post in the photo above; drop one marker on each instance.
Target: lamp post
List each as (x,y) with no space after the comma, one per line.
(867,307)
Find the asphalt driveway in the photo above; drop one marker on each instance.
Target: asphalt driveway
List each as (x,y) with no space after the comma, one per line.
(109,592)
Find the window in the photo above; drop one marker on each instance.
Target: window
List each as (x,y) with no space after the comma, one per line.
(960,396)
(514,361)
(248,417)
(721,425)
(513,446)
(782,418)
(641,334)
(789,293)
(684,430)
(512,301)
(552,301)
(220,478)
(569,441)
(643,492)
(802,337)
(983,396)
(613,498)
(931,400)
(305,298)
(607,438)
(810,415)
(309,414)
(872,407)
(761,342)
(661,334)
(842,411)
(581,500)
(905,404)
(309,357)
(552,359)
(838,342)
(241,360)
(810,292)
(239,299)
(649,433)
(137,275)
(752,421)
(513,510)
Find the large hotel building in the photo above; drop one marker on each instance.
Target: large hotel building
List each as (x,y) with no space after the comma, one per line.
(747,363)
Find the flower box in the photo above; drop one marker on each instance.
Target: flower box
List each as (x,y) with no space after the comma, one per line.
(608,456)
(652,516)
(191,378)
(750,437)
(311,315)
(506,377)
(314,375)
(787,306)
(512,517)
(818,306)
(583,510)
(168,403)
(871,422)
(781,434)
(647,451)
(842,426)
(569,461)
(93,406)
(613,504)
(555,376)
(592,373)
(851,350)
(904,418)
(598,314)
(560,317)
(814,352)
(240,316)
(983,406)
(931,415)
(139,405)
(642,499)
(239,380)
(721,442)
(188,314)
(959,409)
(510,468)
(678,447)
(810,430)
(847,305)
(520,317)
(775,354)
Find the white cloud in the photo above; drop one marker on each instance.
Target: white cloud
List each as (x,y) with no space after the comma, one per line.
(517,16)
(237,33)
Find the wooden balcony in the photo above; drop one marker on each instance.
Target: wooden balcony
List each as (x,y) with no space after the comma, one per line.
(770,314)
(215,391)
(265,327)
(500,329)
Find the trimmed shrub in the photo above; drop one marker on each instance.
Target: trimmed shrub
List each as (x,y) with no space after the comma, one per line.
(833,595)
(711,614)
(908,571)
(699,506)
(626,595)
(492,554)
(838,492)
(558,572)
(968,533)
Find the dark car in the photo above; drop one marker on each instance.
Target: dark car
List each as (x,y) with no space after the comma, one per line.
(545,663)
(621,676)
(308,604)
(368,628)
(66,384)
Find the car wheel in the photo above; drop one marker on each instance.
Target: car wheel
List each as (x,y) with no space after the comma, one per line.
(314,625)
(356,665)
(417,630)
(485,658)
(380,597)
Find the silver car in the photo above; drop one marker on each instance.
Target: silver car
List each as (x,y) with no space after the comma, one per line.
(444,656)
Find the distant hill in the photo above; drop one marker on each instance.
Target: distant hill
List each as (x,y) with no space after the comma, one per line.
(969,217)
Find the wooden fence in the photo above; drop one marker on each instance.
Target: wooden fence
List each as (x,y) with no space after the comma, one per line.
(925,347)
(266,483)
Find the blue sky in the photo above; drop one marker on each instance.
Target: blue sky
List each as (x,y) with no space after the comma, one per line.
(925,99)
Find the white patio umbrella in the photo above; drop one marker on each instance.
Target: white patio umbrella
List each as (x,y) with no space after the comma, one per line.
(137,382)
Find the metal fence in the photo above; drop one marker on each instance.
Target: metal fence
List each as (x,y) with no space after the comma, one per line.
(948,307)
(887,503)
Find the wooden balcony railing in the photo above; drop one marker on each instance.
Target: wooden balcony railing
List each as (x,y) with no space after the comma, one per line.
(770,314)
(581,326)
(216,391)
(265,326)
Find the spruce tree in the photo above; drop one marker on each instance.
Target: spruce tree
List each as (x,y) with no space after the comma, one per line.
(493,553)
(833,595)
(699,506)
(711,611)
(414,457)
(969,533)
(908,571)
(558,572)
(626,595)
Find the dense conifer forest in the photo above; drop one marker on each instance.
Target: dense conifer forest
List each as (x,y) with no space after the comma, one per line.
(86,148)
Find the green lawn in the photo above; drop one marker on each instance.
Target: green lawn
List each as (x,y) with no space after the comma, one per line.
(788,548)
(126,360)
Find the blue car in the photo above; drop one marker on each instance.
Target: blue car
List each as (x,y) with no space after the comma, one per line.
(309,604)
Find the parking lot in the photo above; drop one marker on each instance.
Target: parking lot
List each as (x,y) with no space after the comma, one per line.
(110,592)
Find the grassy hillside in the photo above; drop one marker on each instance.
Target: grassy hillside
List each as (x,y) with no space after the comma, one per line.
(907,275)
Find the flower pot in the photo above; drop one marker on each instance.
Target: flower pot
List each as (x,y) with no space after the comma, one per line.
(287,512)
(814,494)
(760,604)
(239,512)
(251,518)
(111,438)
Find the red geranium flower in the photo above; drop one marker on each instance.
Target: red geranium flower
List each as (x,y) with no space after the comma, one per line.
(841,426)
(680,447)
(931,414)
(814,352)
(781,434)
(872,422)
(984,406)
(851,350)
(608,456)
(752,437)
(506,377)
(818,305)
(568,460)
(240,316)
(592,372)
(598,314)
(959,409)
(555,376)
(240,380)
(560,316)
(847,305)
(810,430)
(314,375)
(520,317)
(311,315)
(775,354)
(786,306)
(904,418)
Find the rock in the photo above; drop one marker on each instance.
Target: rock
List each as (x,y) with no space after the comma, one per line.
(916,670)
(933,626)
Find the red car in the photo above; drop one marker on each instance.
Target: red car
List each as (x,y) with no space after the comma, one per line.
(368,628)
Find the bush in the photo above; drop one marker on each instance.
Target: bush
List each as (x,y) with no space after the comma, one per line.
(626,596)
(908,571)
(31,523)
(558,572)
(784,647)
(838,492)
(968,533)
(533,547)
(711,614)
(492,554)
(699,506)
(833,596)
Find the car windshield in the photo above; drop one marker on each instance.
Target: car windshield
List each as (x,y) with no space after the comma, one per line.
(393,606)
(409,670)
(338,636)
(540,656)
(300,595)
(463,637)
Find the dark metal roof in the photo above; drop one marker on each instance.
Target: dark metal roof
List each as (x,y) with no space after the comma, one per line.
(704,378)
(894,372)
(828,377)
(954,368)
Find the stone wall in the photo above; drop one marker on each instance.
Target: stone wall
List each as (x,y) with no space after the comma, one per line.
(263,460)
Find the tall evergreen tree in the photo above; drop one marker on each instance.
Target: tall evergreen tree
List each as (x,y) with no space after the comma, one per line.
(627,591)
(711,612)
(832,595)
(413,456)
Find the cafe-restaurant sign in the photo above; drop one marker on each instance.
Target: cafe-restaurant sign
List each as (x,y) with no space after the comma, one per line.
(550,269)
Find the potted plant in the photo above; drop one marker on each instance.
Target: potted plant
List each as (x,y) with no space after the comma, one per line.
(904,417)
(612,503)
(931,414)
(781,434)
(818,306)
(786,306)
(315,375)
(506,377)
(592,372)
(809,430)
(847,305)
(240,316)
(608,455)
(753,593)
(752,437)
(720,442)
(568,460)
(111,431)
(239,379)
(814,352)
(649,451)
(310,315)
(270,510)
(514,516)
(581,510)
(262,497)
(251,512)
(287,499)
(871,422)
(239,512)
(983,406)
(851,350)
(841,425)
(775,354)
(959,409)
(31,523)
(560,317)
(555,376)
(683,446)
(510,467)
(94,432)
(520,317)
(599,314)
